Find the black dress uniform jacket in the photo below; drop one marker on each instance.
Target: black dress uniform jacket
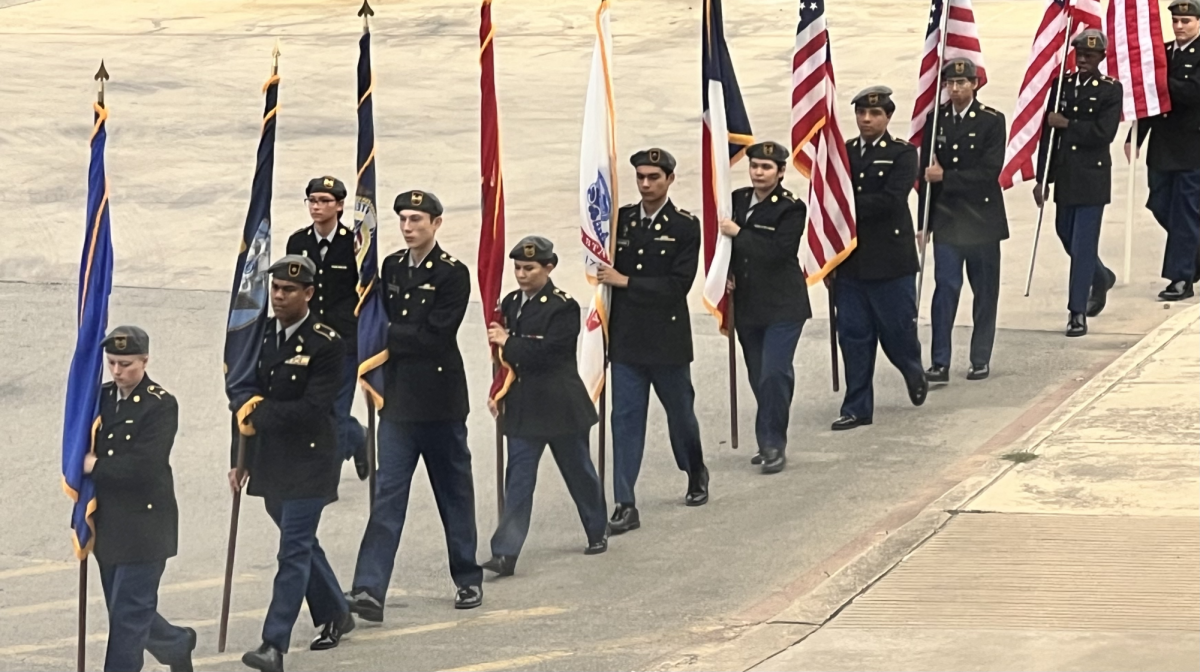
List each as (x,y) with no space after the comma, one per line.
(1081,165)
(546,398)
(770,285)
(424,378)
(1175,143)
(649,322)
(335,295)
(136,517)
(293,453)
(968,205)
(883,177)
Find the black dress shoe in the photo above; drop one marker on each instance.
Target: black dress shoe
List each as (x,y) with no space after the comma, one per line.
(266,658)
(697,492)
(938,374)
(332,633)
(364,606)
(502,565)
(757,459)
(597,547)
(625,518)
(918,389)
(185,664)
(774,459)
(849,422)
(362,466)
(1177,291)
(468,597)
(978,372)
(1099,295)
(1077,326)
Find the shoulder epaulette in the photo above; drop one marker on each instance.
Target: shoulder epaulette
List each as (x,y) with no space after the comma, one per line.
(302,230)
(157,391)
(561,294)
(900,141)
(985,108)
(448,259)
(788,195)
(683,212)
(325,331)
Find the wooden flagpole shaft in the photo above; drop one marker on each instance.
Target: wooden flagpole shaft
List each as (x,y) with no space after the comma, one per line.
(1133,157)
(81,646)
(227,590)
(1037,232)
(500,464)
(833,340)
(603,422)
(932,131)
(733,400)
(372,449)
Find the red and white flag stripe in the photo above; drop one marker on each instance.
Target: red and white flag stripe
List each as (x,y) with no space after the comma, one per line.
(1137,57)
(962,41)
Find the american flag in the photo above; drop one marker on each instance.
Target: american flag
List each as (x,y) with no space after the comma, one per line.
(1137,57)
(818,149)
(1044,61)
(962,41)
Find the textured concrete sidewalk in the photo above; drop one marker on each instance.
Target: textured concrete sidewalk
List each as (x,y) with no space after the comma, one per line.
(1078,548)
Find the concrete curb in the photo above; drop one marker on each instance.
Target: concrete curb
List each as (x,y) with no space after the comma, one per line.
(749,645)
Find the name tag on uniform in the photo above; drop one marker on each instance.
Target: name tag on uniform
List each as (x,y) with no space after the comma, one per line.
(298,360)
(393,288)
(970,135)
(340,268)
(664,239)
(427,287)
(622,242)
(764,227)
(883,161)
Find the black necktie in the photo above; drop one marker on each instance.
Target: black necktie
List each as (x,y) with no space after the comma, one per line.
(281,339)
(324,247)
(646,222)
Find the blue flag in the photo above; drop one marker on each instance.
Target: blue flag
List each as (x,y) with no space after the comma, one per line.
(372,321)
(82,414)
(248,302)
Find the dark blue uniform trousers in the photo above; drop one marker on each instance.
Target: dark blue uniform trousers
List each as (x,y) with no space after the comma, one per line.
(303,573)
(574,460)
(1175,202)
(443,445)
(631,400)
(769,352)
(1078,228)
(134,625)
(983,272)
(351,436)
(873,313)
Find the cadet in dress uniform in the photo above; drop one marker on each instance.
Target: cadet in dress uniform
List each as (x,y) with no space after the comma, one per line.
(770,294)
(425,414)
(967,217)
(292,460)
(1081,171)
(875,290)
(546,403)
(331,247)
(650,334)
(1173,158)
(136,519)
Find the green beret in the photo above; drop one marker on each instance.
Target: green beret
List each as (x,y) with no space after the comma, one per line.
(1090,40)
(534,248)
(1184,8)
(768,151)
(326,185)
(874,96)
(654,156)
(126,340)
(294,268)
(958,68)
(422,201)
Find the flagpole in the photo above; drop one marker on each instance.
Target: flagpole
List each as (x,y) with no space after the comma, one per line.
(733,401)
(372,445)
(1044,185)
(833,339)
(932,135)
(1129,192)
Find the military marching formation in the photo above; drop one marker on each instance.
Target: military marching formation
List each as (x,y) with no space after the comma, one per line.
(299,429)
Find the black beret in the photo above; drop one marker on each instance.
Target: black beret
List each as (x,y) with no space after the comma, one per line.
(534,248)
(419,200)
(654,156)
(1090,40)
(768,151)
(1184,8)
(294,268)
(326,185)
(959,68)
(126,340)
(874,96)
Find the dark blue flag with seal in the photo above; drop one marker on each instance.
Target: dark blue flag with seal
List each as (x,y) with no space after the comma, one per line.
(248,302)
(82,414)
(372,321)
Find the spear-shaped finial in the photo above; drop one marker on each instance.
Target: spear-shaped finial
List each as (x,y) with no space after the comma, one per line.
(101,76)
(275,58)
(366,12)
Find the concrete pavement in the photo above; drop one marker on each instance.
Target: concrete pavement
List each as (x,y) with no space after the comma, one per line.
(1074,548)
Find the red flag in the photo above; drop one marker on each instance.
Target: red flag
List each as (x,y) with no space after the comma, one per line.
(490,262)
